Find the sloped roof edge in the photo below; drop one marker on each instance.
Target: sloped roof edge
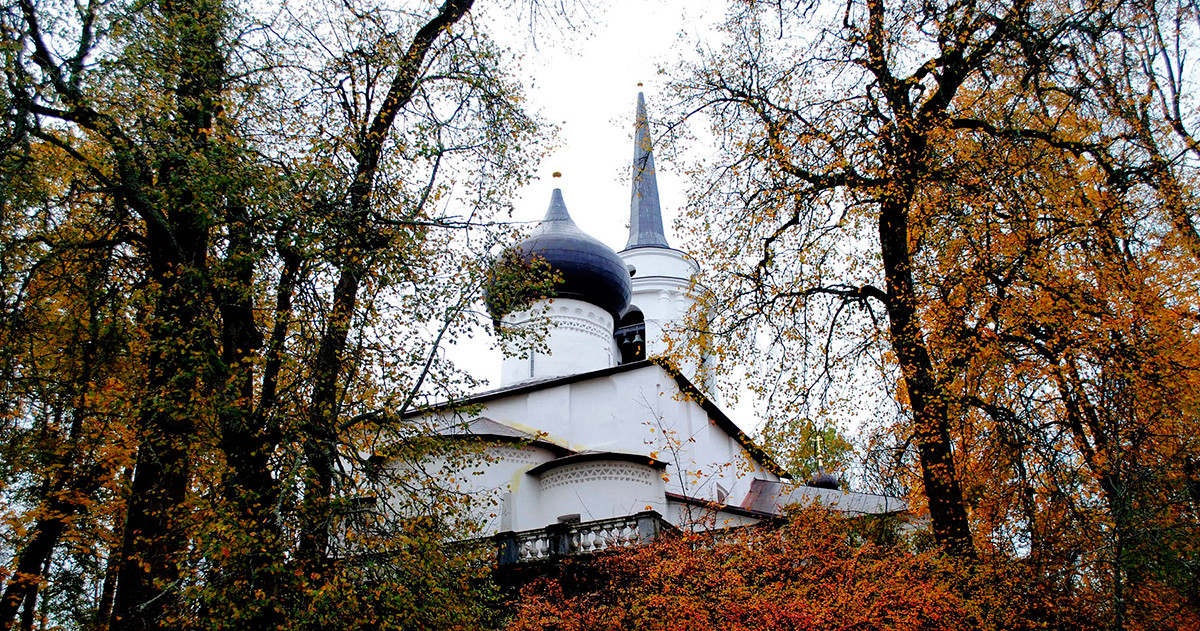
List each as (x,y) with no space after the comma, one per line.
(595,456)
(769,496)
(719,418)
(732,509)
(487,430)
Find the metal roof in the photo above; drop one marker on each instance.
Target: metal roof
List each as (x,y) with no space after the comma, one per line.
(590,271)
(645,213)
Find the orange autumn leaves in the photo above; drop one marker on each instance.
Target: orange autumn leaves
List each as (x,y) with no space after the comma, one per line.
(819,571)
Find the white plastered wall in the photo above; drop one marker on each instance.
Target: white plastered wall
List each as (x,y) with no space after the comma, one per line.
(600,489)
(662,290)
(501,492)
(638,412)
(692,517)
(578,338)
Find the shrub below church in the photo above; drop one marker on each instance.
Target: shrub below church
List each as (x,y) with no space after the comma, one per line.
(818,571)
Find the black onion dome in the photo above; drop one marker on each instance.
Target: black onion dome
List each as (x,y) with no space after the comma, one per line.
(824,480)
(590,271)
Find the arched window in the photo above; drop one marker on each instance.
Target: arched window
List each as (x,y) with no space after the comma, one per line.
(631,335)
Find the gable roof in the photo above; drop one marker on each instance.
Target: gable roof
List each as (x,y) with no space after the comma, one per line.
(485,429)
(686,387)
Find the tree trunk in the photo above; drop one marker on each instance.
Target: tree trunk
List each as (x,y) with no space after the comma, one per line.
(930,404)
(251,584)
(320,440)
(179,338)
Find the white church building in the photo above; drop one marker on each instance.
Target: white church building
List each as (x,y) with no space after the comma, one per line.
(592,440)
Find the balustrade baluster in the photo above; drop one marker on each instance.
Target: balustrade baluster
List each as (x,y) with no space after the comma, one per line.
(587,538)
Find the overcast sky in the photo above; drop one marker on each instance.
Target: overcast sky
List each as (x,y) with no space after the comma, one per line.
(585,81)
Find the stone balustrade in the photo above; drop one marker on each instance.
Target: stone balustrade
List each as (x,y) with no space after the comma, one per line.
(566,539)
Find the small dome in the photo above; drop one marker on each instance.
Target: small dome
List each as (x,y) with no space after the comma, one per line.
(824,480)
(591,271)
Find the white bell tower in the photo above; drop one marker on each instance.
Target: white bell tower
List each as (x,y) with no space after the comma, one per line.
(662,275)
